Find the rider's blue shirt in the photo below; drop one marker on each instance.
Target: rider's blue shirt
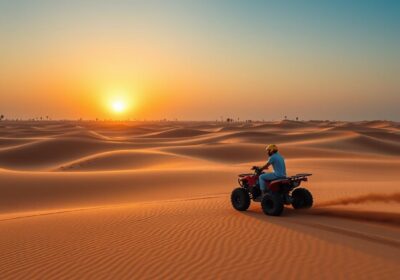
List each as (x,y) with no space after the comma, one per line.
(278,163)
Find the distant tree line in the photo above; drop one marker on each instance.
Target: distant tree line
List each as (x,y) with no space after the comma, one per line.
(2,117)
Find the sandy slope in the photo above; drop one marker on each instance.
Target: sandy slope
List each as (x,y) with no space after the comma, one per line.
(151,200)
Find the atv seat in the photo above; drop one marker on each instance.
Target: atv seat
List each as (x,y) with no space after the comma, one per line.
(279,181)
(275,185)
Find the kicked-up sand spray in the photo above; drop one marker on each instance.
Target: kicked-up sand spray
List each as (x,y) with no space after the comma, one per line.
(393,197)
(367,216)
(373,216)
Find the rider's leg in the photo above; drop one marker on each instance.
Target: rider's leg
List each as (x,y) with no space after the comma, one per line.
(265,177)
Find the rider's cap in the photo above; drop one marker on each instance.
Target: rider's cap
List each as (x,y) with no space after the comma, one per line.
(272,147)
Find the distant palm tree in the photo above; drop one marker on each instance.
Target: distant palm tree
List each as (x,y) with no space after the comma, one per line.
(1,117)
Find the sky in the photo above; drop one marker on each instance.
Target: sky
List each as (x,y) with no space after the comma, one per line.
(200,60)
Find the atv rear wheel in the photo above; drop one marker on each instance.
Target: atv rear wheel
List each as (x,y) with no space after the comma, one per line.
(302,198)
(272,205)
(240,199)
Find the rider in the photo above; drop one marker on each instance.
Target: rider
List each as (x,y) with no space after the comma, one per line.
(278,164)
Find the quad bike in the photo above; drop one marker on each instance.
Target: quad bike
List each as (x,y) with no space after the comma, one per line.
(279,192)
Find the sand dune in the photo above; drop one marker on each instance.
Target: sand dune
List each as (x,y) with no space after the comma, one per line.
(177,133)
(36,191)
(359,143)
(128,160)
(46,153)
(9,142)
(379,124)
(151,200)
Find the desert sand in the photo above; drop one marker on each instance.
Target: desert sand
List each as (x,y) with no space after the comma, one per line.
(132,200)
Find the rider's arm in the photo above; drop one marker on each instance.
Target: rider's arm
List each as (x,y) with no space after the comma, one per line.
(265,166)
(268,163)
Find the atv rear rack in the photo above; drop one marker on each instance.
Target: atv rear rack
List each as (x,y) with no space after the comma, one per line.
(299,176)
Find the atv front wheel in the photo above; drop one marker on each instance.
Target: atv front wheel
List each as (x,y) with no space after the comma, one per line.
(272,205)
(240,199)
(302,198)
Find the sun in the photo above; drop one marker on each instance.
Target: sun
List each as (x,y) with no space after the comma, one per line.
(119,102)
(118,106)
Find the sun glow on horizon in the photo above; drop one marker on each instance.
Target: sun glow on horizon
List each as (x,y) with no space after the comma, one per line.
(119,102)
(118,106)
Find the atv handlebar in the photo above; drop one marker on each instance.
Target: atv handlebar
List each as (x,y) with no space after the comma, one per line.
(257,170)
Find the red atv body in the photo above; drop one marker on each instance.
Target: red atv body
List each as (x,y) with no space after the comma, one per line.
(279,192)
